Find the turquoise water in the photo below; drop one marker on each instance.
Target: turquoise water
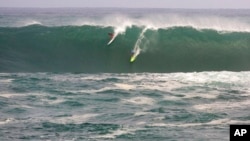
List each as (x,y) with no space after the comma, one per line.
(75,40)
(59,80)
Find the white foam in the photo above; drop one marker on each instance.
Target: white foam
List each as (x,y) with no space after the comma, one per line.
(31,22)
(177,124)
(6,121)
(156,21)
(52,102)
(6,80)
(9,95)
(217,106)
(118,132)
(92,91)
(202,95)
(92,77)
(68,77)
(26,106)
(143,113)
(141,123)
(208,22)
(75,119)
(124,86)
(225,121)
(219,121)
(152,20)
(173,98)
(140,101)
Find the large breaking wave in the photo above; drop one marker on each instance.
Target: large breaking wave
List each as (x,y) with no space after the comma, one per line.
(169,42)
(84,49)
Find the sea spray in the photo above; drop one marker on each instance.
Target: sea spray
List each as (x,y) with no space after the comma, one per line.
(76,41)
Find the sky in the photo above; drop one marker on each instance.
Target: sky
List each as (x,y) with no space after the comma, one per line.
(194,4)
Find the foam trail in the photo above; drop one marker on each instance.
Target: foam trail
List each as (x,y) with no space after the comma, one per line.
(136,50)
(138,42)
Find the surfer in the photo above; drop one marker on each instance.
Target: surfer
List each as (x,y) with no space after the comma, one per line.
(132,52)
(111,35)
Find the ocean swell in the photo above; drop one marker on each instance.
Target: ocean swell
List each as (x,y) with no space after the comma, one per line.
(38,48)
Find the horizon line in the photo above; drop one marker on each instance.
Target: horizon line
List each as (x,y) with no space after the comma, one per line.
(129,7)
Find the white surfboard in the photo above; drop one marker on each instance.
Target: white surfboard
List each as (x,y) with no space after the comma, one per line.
(112,39)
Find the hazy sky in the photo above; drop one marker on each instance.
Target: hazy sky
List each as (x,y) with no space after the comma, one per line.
(129,3)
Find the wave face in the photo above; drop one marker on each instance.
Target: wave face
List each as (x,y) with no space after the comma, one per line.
(180,45)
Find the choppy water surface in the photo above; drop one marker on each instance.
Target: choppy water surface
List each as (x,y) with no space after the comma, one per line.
(107,106)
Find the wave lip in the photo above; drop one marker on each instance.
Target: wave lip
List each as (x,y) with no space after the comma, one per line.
(219,20)
(39,48)
(167,40)
(32,22)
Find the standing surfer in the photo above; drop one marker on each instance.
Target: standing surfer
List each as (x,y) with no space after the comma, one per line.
(111,35)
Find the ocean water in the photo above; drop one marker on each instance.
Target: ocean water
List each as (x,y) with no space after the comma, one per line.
(59,80)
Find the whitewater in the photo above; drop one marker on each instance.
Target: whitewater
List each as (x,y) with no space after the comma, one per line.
(59,80)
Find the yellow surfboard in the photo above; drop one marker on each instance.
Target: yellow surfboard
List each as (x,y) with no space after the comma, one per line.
(132,59)
(136,52)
